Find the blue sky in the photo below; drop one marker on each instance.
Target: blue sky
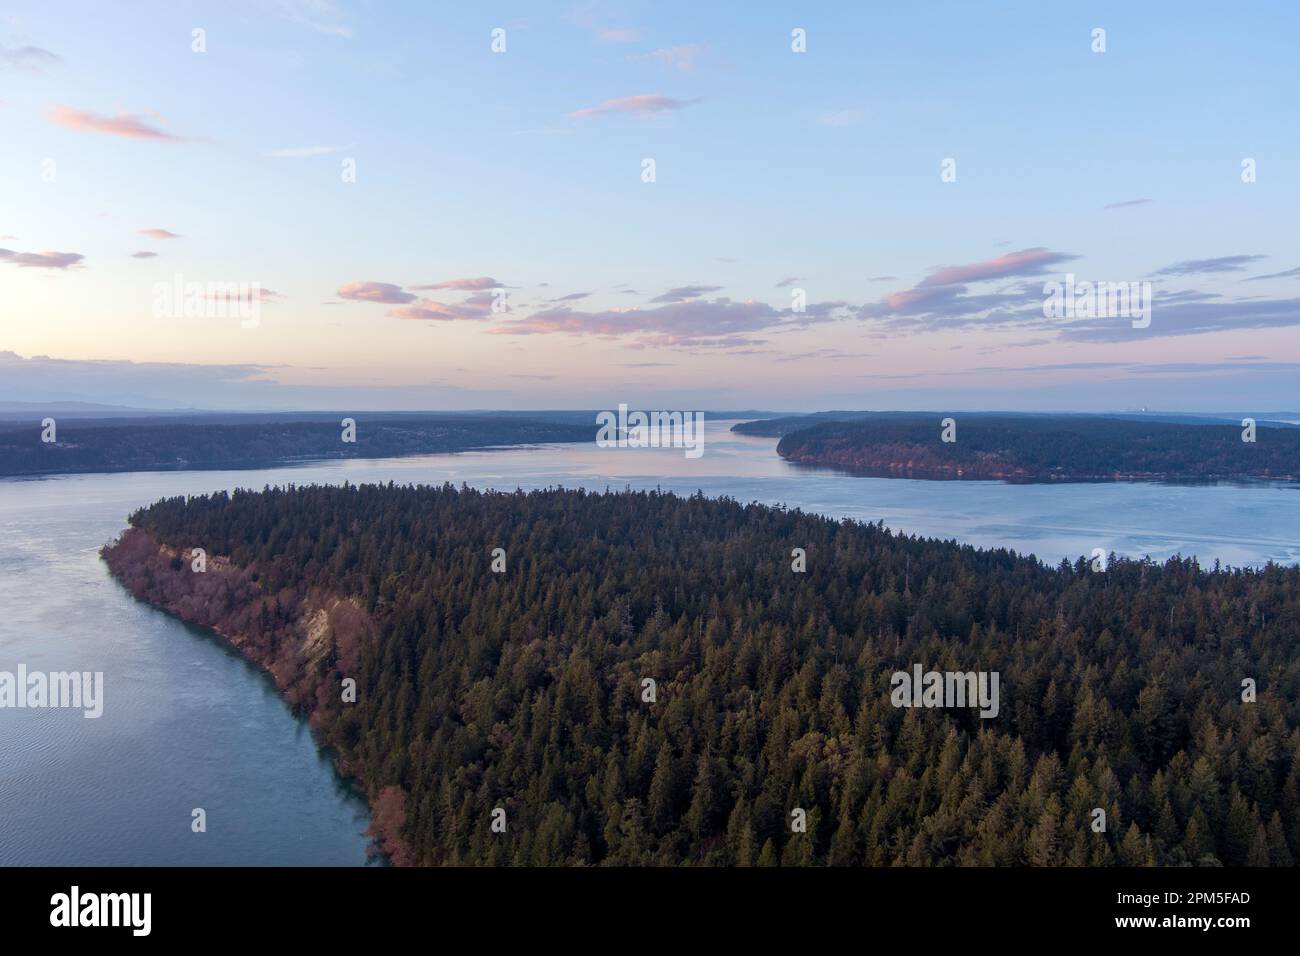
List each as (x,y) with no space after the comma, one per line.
(819,170)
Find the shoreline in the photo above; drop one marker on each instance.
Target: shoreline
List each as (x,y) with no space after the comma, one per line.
(148,571)
(958,473)
(293,462)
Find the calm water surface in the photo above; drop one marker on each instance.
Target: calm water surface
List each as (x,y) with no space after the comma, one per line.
(188,724)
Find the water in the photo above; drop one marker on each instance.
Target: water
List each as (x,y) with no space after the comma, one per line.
(188,724)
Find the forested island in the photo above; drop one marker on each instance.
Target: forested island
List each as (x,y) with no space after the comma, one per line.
(518,696)
(100,446)
(1039,449)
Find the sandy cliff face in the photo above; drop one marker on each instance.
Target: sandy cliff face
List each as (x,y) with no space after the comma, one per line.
(308,641)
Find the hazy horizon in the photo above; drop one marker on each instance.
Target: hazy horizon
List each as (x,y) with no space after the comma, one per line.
(14,407)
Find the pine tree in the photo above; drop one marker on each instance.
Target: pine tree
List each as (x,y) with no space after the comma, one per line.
(1043,848)
(1258,855)
(1239,833)
(1279,853)
(1133,850)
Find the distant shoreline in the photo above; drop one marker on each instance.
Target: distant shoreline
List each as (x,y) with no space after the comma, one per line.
(88,447)
(1039,450)
(1178,480)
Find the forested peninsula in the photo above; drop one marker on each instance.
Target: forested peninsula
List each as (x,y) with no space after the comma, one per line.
(1041,449)
(501,646)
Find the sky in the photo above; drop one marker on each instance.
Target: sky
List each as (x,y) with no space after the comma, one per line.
(672,205)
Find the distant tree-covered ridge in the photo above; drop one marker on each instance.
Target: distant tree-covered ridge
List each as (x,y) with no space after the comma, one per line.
(1126,690)
(1064,448)
(783,425)
(88,446)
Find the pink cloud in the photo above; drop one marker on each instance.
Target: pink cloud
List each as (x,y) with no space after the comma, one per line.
(42,260)
(474,308)
(464,285)
(695,323)
(160,234)
(124,124)
(917,299)
(1024,262)
(943,299)
(382,292)
(645,104)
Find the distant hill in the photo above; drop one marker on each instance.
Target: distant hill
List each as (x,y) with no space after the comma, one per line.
(1045,448)
(780,425)
(90,411)
(785,424)
(152,445)
(35,411)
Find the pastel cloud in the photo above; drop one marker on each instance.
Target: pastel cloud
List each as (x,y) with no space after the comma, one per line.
(645,104)
(125,125)
(32,59)
(954,307)
(382,292)
(1126,203)
(160,234)
(1288,274)
(1200,266)
(41,260)
(829,354)
(1109,371)
(1023,263)
(474,308)
(463,285)
(943,299)
(619,34)
(683,292)
(695,323)
(1192,314)
(143,255)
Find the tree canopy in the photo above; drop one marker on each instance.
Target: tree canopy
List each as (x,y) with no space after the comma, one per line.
(524,689)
